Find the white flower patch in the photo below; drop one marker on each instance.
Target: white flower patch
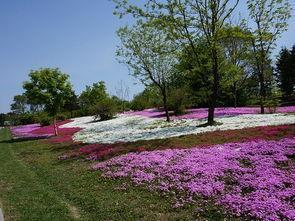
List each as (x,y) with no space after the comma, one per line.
(132,128)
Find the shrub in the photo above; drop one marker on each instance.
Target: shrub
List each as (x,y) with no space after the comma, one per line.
(146,99)
(61,117)
(177,101)
(45,121)
(273,100)
(105,110)
(26,118)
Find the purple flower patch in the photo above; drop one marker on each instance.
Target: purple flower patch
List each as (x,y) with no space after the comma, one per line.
(254,179)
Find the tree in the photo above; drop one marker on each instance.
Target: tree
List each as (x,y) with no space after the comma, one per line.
(236,44)
(148,98)
(92,95)
(122,92)
(49,87)
(72,103)
(270,21)
(149,53)
(2,119)
(285,71)
(20,104)
(186,21)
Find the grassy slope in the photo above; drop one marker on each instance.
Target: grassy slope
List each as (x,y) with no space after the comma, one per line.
(34,185)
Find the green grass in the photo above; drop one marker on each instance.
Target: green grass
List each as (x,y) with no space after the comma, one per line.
(35,185)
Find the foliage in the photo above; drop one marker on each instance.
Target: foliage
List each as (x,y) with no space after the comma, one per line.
(285,72)
(91,96)
(150,55)
(20,104)
(178,101)
(105,109)
(273,100)
(49,87)
(148,98)
(71,104)
(270,18)
(45,121)
(2,119)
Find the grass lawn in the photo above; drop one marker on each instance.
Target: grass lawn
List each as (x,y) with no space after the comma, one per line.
(35,185)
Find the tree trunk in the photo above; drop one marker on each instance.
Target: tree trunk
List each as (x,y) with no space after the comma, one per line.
(55,127)
(235,95)
(262,91)
(214,94)
(165,105)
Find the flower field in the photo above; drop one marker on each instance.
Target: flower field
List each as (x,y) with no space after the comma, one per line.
(253,179)
(130,128)
(32,131)
(201,113)
(244,165)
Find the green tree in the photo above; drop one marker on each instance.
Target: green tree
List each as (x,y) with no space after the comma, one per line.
(49,87)
(270,21)
(150,55)
(285,71)
(148,98)
(236,46)
(186,21)
(91,96)
(72,103)
(20,104)
(2,119)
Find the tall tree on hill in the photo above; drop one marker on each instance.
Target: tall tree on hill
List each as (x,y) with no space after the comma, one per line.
(49,87)
(186,21)
(150,55)
(270,21)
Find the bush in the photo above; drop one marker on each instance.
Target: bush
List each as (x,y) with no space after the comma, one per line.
(26,118)
(105,110)
(61,117)
(147,99)
(177,101)
(273,100)
(45,121)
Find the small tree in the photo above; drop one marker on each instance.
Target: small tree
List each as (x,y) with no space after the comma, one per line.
(105,109)
(49,87)
(270,18)
(122,92)
(149,53)
(91,96)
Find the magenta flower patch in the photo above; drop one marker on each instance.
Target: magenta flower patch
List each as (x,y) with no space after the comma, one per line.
(200,113)
(253,179)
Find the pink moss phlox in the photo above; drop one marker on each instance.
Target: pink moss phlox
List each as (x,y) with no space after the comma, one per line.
(200,113)
(255,179)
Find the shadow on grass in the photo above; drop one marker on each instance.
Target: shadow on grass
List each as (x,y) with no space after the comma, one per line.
(23,139)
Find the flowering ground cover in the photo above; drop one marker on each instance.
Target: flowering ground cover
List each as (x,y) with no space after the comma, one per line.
(131,128)
(37,131)
(253,179)
(27,131)
(106,151)
(201,113)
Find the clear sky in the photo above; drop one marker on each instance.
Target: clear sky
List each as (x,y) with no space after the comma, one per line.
(78,36)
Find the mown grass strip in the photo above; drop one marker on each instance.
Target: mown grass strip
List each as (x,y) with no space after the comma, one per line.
(35,185)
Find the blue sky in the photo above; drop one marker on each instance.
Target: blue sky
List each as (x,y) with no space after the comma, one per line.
(78,36)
